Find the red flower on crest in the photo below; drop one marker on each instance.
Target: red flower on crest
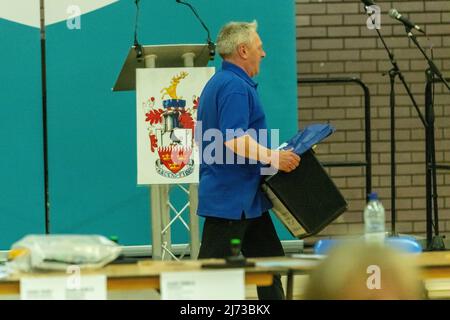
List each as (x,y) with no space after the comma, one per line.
(186,120)
(154,116)
(153,142)
(196,102)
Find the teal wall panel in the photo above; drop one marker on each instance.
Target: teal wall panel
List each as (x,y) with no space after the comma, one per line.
(21,149)
(92,131)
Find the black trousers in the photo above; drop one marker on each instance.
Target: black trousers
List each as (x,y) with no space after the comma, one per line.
(258,239)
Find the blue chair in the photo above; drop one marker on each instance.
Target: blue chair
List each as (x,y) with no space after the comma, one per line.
(324,246)
(403,243)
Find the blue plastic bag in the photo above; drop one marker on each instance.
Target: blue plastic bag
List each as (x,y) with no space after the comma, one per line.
(305,139)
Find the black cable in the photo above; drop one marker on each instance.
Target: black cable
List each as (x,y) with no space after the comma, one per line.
(198,17)
(137,46)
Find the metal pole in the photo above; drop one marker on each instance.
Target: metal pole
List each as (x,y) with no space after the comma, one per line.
(189,59)
(367,120)
(392,74)
(44,116)
(194,221)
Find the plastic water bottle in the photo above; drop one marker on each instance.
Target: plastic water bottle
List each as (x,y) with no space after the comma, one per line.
(374,220)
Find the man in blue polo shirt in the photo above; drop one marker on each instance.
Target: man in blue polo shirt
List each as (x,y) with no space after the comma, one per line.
(230,197)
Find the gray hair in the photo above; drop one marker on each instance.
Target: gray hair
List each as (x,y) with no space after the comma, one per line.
(233,34)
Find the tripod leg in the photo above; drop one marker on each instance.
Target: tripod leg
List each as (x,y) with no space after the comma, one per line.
(428,196)
(437,242)
(434,182)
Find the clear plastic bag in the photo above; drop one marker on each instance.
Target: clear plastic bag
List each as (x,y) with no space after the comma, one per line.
(57,252)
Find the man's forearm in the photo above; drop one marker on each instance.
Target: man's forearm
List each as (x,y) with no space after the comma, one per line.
(246,146)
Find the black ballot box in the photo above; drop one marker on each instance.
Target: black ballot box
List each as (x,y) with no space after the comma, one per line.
(306,200)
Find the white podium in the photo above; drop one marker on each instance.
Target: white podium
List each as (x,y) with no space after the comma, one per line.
(130,78)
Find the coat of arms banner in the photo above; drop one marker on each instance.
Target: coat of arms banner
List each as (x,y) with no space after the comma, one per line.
(167,101)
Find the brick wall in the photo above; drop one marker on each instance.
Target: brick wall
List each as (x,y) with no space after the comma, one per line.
(333,41)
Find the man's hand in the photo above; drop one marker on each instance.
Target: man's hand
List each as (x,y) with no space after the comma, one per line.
(284,160)
(246,146)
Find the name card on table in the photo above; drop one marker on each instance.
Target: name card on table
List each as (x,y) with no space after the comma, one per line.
(64,288)
(203,285)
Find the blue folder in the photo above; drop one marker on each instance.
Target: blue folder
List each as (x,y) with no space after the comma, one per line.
(308,137)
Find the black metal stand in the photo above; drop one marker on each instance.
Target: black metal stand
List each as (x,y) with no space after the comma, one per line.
(435,242)
(395,71)
(367,164)
(44,117)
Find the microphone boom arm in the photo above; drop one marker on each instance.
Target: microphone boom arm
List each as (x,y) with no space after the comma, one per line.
(432,65)
(211,44)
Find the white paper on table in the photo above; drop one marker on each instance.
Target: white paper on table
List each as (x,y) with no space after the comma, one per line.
(4,272)
(309,256)
(63,288)
(204,285)
(287,263)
